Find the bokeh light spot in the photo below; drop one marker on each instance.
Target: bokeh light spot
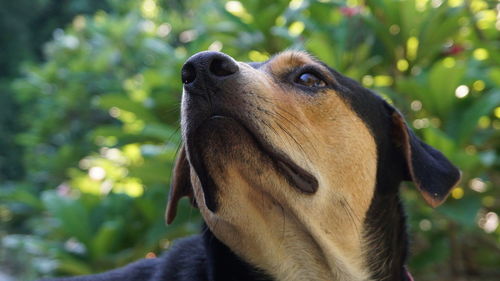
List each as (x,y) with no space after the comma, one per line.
(457,193)
(296,28)
(402,65)
(461,91)
(478,85)
(480,54)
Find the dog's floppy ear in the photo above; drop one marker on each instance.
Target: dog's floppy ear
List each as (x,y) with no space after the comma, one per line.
(431,172)
(180,186)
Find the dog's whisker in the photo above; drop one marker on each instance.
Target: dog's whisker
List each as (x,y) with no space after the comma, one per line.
(276,105)
(169,139)
(283,230)
(350,213)
(276,114)
(288,120)
(173,109)
(270,127)
(282,117)
(293,138)
(289,114)
(306,138)
(282,137)
(300,146)
(273,103)
(179,145)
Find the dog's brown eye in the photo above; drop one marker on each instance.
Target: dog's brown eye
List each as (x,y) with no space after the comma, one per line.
(310,80)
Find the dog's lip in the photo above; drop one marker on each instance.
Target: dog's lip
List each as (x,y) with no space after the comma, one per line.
(295,175)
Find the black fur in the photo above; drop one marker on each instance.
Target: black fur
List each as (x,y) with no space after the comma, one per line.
(198,258)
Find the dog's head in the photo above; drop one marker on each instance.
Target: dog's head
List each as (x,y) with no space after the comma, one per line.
(286,156)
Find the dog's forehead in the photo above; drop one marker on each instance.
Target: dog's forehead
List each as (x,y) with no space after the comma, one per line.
(289,60)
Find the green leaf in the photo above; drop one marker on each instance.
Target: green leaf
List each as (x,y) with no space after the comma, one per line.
(160,131)
(463,211)
(443,80)
(106,238)
(437,252)
(68,265)
(494,75)
(122,102)
(72,215)
(470,117)
(22,196)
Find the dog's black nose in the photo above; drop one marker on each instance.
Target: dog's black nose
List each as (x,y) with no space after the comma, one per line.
(213,65)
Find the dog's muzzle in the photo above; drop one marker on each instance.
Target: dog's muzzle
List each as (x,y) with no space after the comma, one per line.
(204,75)
(213,97)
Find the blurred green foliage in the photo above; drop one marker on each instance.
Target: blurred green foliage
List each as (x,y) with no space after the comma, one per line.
(96,125)
(24,26)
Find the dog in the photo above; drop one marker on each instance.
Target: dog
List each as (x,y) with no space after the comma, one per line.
(296,171)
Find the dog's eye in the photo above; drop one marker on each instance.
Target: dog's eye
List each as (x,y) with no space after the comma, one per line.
(310,80)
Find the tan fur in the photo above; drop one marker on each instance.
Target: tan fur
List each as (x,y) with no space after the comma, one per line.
(289,60)
(261,217)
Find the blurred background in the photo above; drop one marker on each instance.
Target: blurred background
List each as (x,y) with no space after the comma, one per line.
(89,111)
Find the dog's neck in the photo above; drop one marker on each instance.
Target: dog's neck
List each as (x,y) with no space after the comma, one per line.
(385,230)
(385,235)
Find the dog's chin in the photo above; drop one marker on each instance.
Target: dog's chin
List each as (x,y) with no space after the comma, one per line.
(221,141)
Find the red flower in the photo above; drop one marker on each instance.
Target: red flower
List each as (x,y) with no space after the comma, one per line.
(350,11)
(453,50)
(63,190)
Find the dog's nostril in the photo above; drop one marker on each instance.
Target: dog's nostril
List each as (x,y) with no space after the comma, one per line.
(223,67)
(188,73)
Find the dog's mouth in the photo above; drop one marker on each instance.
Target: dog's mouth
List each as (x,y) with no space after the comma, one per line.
(295,175)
